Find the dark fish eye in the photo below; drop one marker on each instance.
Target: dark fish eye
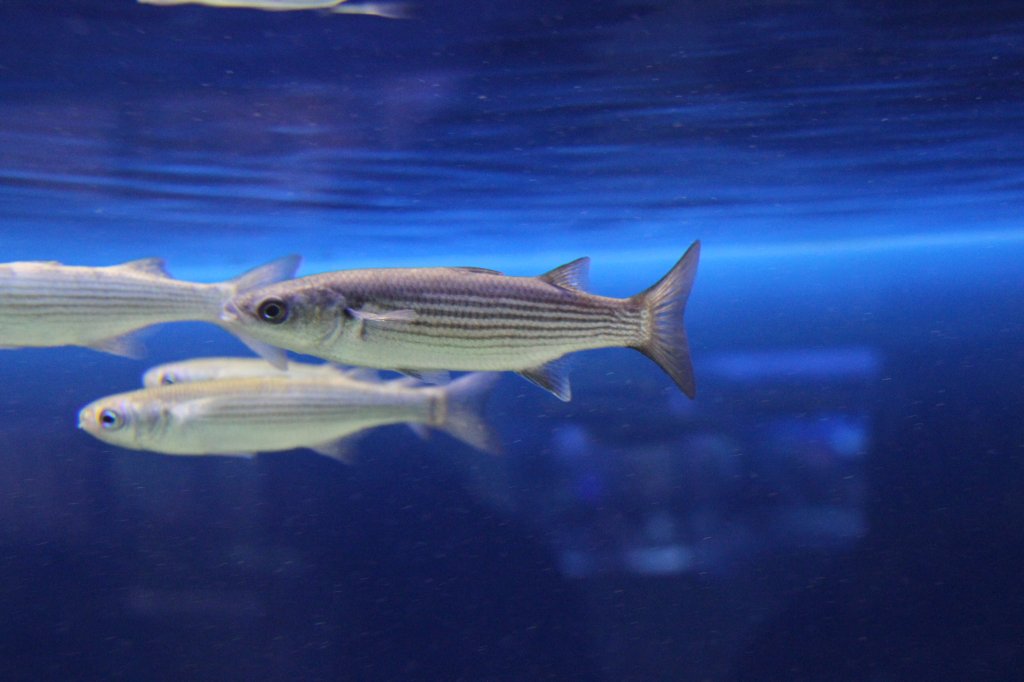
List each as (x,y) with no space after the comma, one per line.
(273,310)
(111,420)
(168,379)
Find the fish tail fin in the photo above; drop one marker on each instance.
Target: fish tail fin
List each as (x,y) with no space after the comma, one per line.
(665,303)
(260,276)
(462,413)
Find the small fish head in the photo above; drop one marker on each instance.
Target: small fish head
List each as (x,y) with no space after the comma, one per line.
(113,420)
(286,316)
(163,375)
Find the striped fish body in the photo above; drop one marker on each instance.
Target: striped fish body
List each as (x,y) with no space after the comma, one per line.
(469,319)
(46,304)
(243,416)
(458,320)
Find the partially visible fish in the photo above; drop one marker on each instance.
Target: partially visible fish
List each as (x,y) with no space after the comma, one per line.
(424,319)
(207,369)
(47,304)
(387,10)
(246,416)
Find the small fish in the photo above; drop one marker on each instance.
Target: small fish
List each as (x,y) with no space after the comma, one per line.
(267,414)
(470,319)
(207,369)
(387,10)
(47,304)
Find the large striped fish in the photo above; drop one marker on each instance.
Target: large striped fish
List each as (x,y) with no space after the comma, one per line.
(46,304)
(426,319)
(265,414)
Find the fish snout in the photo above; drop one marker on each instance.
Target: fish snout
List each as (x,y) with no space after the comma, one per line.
(86,419)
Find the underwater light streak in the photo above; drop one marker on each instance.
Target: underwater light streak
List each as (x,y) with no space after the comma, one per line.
(903,242)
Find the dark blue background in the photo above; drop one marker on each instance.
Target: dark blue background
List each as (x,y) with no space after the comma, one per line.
(856,174)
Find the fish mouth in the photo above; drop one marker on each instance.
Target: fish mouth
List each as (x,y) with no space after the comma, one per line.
(85,420)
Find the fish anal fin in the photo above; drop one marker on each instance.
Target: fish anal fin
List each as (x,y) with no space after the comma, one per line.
(552,376)
(126,345)
(156,267)
(339,449)
(419,429)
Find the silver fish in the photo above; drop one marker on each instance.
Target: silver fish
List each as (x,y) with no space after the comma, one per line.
(471,319)
(250,415)
(387,10)
(47,304)
(206,369)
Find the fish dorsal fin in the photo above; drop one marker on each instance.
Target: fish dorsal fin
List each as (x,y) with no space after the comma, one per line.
(469,270)
(268,273)
(552,376)
(146,266)
(573,276)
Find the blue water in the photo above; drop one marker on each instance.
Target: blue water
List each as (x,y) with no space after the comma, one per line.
(842,499)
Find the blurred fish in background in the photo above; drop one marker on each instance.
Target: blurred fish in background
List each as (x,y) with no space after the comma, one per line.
(44,304)
(386,10)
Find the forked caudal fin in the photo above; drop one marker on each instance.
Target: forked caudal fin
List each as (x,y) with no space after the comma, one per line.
(665,303)
(463,413)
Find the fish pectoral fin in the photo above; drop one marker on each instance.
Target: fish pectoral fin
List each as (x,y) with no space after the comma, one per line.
(275,356)
(340,450)
(403,315)
(127,345)
(427,376)
(573,276)
(552,376)
(147,266)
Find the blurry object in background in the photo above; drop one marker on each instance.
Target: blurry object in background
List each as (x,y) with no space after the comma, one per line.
(770,462)
(387,10)
(45,304)
(206,369)
(471,319)
(246,416)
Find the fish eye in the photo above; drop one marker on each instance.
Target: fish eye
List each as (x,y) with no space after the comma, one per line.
(168,379)
(111,420)
(273,310)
